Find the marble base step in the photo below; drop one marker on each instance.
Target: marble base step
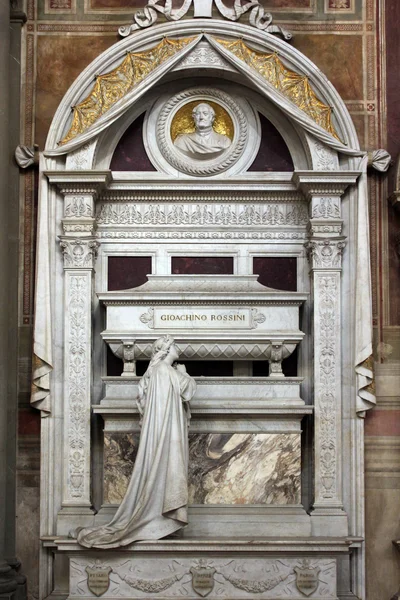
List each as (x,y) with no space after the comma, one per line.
(235,569)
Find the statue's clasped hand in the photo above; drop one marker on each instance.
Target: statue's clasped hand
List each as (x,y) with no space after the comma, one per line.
(179,367)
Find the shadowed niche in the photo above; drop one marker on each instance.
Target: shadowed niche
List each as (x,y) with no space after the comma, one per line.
(273,154)
(130,154)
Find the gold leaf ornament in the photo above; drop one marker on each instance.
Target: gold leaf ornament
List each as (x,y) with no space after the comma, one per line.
(294,86)
(183,122)
(111,87)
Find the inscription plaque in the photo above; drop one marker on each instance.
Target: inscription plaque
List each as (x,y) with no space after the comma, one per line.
(98,580)
(307,578)
(202,318)
(202,580)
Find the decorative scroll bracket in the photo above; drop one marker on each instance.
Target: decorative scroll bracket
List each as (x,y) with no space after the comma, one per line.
(203,9)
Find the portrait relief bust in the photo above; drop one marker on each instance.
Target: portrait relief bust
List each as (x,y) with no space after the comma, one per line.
(205,142)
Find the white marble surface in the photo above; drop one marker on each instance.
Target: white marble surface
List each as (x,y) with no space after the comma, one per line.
(240,241)
(231,576)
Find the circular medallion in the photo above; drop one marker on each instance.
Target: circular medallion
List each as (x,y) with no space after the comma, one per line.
(200,132)
(183,120)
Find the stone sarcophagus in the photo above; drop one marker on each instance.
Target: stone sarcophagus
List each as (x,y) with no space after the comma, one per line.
(217,317)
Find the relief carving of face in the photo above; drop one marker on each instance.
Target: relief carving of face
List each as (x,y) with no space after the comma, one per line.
(203,116)
(205,143)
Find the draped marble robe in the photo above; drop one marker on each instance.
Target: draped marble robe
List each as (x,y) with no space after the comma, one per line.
(202,145)
(155,503)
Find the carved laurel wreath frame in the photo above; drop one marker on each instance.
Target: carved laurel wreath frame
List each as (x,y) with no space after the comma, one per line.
(207,167)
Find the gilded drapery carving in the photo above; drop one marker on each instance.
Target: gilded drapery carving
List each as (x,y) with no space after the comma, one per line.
(294,86)
(111,87)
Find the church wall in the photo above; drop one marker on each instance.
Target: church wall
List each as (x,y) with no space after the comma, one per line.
(345,38)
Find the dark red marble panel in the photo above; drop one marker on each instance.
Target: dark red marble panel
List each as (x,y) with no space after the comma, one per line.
(278,272)
(130,153)
(273,154)
(125,272)
(202,265)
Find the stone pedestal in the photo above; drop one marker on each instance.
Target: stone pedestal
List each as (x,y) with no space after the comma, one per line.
(239,569)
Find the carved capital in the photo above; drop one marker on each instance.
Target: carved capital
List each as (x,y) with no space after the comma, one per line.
(325,254)
(79,253)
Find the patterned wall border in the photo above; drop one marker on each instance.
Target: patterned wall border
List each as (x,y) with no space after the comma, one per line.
(315,27)
(340,6)
(30,10)
(312,9)
(79,28)
(370,10)
(57,7)
(28,248)
(29,183)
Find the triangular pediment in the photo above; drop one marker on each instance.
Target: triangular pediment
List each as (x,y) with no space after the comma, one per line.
(204,55)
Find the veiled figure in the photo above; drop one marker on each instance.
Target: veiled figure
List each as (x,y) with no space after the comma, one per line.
(155,503)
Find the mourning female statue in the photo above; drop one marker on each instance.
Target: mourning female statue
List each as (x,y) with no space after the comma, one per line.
(155,503)
(205,142)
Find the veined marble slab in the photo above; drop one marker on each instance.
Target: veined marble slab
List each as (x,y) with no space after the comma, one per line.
(233,468)
(247,468)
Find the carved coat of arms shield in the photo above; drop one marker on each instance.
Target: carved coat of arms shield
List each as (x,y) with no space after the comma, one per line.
(98,580)
(307,579)
(202,580)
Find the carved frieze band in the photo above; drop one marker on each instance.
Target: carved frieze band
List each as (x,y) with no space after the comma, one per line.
(272,351)
(77,382)
(79,253)
(184,234)
(270,214)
